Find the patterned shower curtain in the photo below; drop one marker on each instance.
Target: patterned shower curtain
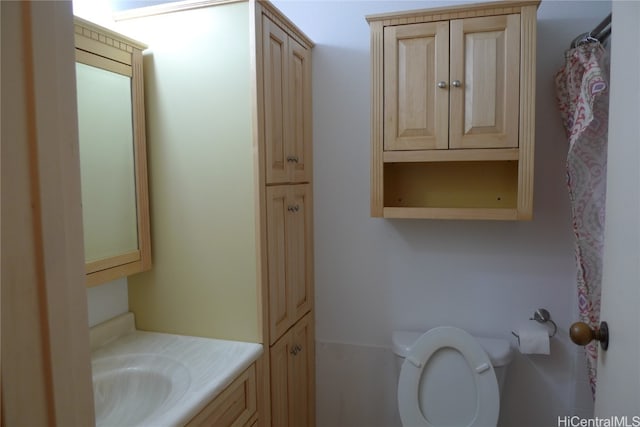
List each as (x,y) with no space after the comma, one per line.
(583,99)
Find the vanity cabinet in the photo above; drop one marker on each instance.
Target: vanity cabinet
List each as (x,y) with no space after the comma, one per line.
(293,377)
(287,92)
(453,102)
(236,406)
(290,256)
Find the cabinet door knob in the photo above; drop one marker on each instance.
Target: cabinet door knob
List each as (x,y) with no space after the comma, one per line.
(442,84)
(456,83)
(292,159)
(291,208)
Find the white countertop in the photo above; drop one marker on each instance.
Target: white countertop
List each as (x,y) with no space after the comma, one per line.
(212,364)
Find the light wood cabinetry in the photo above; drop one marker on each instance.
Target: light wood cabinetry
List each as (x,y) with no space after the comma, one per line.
(293,376)
(236,406)
(287,91)
(113,154)
(416,112)
(229,120)
(485,60)
(290,256)
(46,368)
(453,102)
(289,225)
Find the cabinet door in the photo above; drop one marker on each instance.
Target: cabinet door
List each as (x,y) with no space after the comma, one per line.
(276,75)
(298,154)
(293,377)
(279,306)
(290,255)
(303,373)
(485,59)
(287,106)
(299,250)
(281,376)
(236,406)
(416,109)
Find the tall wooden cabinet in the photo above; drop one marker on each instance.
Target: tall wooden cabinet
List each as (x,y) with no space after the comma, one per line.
(453,103)
(289,215)
(228,94)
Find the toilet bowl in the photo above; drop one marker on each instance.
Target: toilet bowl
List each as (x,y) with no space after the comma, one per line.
(449,378)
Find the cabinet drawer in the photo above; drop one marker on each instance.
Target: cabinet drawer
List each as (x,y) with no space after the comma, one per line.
(234,407)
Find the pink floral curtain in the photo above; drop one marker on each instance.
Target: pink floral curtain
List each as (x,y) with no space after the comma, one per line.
(583,99)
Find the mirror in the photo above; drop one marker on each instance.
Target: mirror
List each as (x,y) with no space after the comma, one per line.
(112,153)
(106,163)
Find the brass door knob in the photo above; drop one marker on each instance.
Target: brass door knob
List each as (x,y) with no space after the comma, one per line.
(582,334)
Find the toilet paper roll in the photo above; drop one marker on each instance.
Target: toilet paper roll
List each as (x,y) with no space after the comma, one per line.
(534,339)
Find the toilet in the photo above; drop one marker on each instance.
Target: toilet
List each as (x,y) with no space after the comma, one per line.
(449,378)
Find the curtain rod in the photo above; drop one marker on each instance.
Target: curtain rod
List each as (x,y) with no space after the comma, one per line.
(599,33)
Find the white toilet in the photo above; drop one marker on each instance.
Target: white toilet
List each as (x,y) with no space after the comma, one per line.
(449,378)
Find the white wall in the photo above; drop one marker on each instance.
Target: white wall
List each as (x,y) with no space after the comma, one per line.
(107,301)
(376,275)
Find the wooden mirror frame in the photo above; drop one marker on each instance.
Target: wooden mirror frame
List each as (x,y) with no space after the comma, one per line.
(106,49)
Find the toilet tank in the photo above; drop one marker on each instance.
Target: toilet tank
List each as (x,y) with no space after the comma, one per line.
(499,351)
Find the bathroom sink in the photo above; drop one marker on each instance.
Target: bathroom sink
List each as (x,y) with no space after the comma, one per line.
(135,388)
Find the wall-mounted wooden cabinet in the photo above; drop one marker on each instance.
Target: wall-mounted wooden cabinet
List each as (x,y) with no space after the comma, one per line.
(453,102)
(113,154)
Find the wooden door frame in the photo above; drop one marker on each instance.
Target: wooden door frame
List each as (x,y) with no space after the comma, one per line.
(46,370)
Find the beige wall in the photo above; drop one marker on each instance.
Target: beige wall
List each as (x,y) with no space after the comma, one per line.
(198,101)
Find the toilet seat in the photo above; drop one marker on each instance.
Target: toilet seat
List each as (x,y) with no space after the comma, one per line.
(448,374)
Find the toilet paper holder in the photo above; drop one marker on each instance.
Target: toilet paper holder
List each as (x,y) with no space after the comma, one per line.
(542,315)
